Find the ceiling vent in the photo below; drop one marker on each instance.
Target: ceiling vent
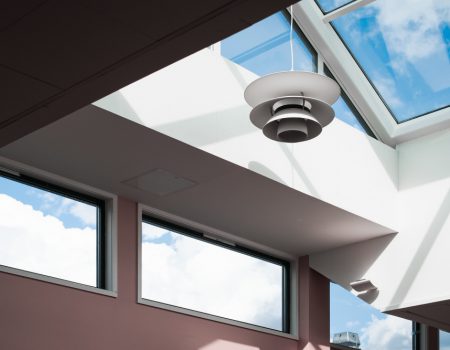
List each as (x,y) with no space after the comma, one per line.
(159,182)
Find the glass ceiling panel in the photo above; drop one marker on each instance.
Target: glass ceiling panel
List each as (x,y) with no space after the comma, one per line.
(346,111)
(264,48)
(330,5)
(403,47)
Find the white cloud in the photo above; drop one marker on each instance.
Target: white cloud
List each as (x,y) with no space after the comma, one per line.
(412,30)
(386,334)
(150,232)
(386,87)
(412,33)
(32,241)
(86,213)
(58,205)
(352,324)
(196,275)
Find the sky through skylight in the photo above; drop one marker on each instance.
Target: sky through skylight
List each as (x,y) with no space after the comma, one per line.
(403,47)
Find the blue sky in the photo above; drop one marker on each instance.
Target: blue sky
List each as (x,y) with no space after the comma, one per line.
(403,47)
(72,213)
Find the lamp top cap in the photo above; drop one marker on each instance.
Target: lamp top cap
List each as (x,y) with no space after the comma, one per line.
(292,83)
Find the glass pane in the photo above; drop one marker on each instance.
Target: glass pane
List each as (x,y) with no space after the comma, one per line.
(403,48)
(331,5)
(346,112)
(47,233)
(193,274)
(264,47)
(444,340)
(353,321)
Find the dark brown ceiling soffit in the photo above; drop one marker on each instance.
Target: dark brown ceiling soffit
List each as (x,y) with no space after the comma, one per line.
(58,59)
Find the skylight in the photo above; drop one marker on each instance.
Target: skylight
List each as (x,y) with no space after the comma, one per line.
(331,5)
(403,48)
(263,48)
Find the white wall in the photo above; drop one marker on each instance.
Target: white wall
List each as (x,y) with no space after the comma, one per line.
(414,268)
(199,100)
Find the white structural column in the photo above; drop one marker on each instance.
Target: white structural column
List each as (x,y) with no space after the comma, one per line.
(409,269)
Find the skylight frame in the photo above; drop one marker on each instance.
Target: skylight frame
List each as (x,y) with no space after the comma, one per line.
(317,28)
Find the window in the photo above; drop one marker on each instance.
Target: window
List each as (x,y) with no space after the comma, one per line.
(51,231)
(264,48)
(402,47)
(355,323)
(189,270)
(346,111)
(444,340)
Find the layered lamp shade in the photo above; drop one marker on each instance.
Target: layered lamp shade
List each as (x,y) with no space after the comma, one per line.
(292,106)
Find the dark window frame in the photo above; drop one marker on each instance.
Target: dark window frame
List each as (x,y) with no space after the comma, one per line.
(350,105)
(286,266)
(80,197)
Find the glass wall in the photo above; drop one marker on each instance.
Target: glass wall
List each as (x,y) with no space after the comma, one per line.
(191,271)
(444,340)
(50,231)
(353,321)
(346,111)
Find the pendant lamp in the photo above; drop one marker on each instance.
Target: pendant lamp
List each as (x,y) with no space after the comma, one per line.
(292,106)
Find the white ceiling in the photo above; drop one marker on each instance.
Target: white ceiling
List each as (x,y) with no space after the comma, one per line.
(100,149)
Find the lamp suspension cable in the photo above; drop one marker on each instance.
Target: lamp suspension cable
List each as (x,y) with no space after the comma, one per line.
(291,39)
(292,106)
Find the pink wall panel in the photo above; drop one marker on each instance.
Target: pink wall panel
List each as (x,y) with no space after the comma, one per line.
(42,316)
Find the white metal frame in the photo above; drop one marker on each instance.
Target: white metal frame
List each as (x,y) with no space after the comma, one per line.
(110,220)
(220,235)
(317,28)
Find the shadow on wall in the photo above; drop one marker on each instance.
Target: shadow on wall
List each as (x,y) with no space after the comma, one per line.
(298,169)
(119,105)
(351,262)
(423,251)
(380,150)
(310,346)
(232,67)
(227,345)
(265,171)
(209,128)
(425,160)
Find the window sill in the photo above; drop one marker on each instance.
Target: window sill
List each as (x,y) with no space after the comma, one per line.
(214,318)
(57,281)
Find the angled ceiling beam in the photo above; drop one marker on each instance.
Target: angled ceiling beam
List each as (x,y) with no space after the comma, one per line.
(57,58)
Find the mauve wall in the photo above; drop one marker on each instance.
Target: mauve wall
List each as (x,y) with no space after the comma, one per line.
(42,316)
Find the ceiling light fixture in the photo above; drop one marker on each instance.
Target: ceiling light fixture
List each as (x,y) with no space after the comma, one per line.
(292,106)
